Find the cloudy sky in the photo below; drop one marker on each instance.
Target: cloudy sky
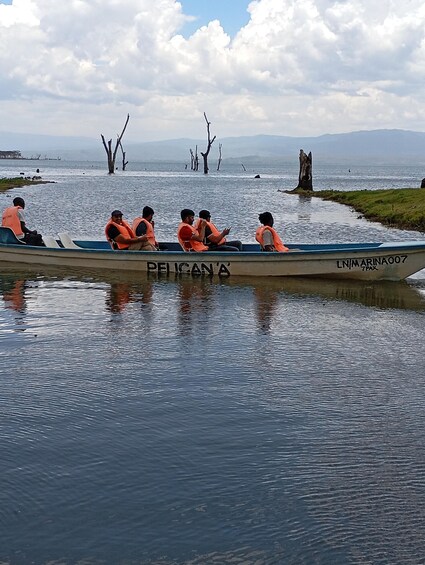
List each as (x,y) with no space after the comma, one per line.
(285,67)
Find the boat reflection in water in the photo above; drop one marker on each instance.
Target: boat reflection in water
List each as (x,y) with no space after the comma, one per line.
(121,293)
(196,297)
(13,291)
(13,295)
(405,295)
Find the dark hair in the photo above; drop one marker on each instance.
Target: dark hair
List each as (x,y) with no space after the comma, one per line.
(18,201)
(266,218)
(205,214)
(147,211)
(186,212)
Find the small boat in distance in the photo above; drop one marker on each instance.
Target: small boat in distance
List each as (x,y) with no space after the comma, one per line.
(392,261)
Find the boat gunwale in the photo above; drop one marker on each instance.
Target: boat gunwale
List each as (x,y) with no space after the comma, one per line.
(345,248)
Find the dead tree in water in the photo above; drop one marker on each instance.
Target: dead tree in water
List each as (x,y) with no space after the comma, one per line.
(194,159)
(112,155)
(305,177)
(209,143)
(124,162)
(220,145)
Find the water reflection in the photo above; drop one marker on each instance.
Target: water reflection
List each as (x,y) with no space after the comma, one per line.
(13,294)
(120,294)
(196,296)
(266,304)
(195,302)
(402,295)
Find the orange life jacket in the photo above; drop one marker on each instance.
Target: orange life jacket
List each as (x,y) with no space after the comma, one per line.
(190,244)
(124,229)
(277,242)
(10,219)
(213,229)
(149,229)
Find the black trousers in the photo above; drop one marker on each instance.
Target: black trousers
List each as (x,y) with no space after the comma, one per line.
(33,239)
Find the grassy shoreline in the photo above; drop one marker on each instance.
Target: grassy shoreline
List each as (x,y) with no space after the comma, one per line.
(17,182)
(402,208)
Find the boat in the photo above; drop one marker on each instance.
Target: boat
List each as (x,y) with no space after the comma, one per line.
(392,261)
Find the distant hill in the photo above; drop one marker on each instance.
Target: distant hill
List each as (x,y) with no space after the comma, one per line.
(376,144)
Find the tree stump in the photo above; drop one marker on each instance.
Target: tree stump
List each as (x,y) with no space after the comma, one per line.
(305,177)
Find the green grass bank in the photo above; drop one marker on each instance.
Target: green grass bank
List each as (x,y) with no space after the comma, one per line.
(403,208)
(8,183)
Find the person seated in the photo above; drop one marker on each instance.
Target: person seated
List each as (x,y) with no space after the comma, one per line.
(14,218)
(145,226)
(267,236)
(120,235)
(214,239)
(190,238)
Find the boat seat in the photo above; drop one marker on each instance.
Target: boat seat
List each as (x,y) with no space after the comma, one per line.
(67,241)
(50,241)
(8,237)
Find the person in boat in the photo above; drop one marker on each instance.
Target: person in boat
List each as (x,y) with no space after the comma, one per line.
(121,236)
(14,218)
(267,236)
(191,239)
(214,239)
(145,226)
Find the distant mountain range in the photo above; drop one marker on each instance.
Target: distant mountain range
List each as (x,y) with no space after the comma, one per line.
(377,144)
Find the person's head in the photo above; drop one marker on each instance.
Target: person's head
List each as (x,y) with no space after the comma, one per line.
(205,215)
(116,216)
(18,201)
(187,216)
(266,219)
(148,213)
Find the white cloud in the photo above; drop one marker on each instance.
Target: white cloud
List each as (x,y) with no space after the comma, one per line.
(299,67)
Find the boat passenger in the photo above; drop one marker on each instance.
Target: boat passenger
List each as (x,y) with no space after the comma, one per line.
(214,239)
(267,236)
(120,235)
(145,226)
(190,238)
(14,218)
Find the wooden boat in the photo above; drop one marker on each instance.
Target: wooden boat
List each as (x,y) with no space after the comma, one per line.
(364,261)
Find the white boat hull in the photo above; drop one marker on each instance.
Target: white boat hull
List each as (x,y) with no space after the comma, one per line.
(388,261)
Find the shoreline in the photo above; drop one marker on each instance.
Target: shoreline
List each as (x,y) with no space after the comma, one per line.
(402,208)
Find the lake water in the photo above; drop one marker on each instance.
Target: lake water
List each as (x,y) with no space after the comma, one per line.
(196,421)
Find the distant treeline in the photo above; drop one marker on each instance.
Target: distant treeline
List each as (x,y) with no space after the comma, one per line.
(10,155)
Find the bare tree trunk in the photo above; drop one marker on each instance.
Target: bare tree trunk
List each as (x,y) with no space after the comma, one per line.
(220,145)
(305,177)
(112,155)
(124,162)
(194,159)
(209,143)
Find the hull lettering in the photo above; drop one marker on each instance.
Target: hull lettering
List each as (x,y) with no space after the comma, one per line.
(194,269)
(370,263)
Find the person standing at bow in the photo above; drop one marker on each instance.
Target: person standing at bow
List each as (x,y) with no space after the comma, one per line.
(267,236)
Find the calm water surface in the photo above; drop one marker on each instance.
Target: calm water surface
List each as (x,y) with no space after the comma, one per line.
(147,420)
